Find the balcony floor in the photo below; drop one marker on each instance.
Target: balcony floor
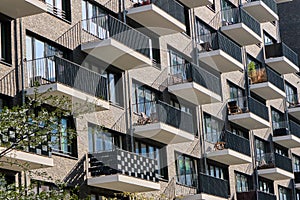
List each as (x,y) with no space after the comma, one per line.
(76,97)
(288,141)
(267,91)
(155,19)
(195,4)
(123,183)
(163,133)
(229,157)
(22,8)
(241,33)
(116,53)
(282,65)
(20,161)
(249,121)
(295,112)
(275,174)
(260,11)
(194,93)
(220,61)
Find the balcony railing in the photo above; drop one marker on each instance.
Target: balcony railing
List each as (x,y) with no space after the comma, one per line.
(237,15)
(217,41)
(255,195)
(158,111)
(213,186)
(58,70)
(270,3)
(293,100)
(244,105)
(117,161)
(193,73)
(58,12)
(280,128)
(297,177)
(172,7)
(281,49)
(267,75)
(106,26)
(295,129)
(236,143)
(271,160)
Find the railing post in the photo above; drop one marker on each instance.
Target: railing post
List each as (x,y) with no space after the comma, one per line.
(87,165)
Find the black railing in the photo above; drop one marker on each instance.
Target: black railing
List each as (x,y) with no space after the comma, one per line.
(280,128)
(236,143)
(281,49)
(297,177)
(214,186)
(265,196)
(267,75)
(283,162)
(238,15)
(117,161)
(193,73)
(106,26)
(270,3)
(54,69)
(295,129)
(258,108)
(158,111)
(217,41)
(255,195)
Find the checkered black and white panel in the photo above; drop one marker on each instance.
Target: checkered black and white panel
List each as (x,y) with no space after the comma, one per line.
(137,166)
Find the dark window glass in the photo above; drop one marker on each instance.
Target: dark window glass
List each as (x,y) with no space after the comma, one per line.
(5,42)
(60,8)
(291,94)
(212,128)
(242,182)
(265,185)
(284,193)
(186,170)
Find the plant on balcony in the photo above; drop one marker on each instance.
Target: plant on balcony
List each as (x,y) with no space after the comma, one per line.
(252,72)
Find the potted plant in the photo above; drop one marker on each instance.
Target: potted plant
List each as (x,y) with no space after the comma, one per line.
(252,72)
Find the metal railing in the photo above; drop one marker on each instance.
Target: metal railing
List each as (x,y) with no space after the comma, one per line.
(8,84)
(265,196)
(236,142)
(190,180)
(193,73)
(54,69)
(267,75)
(270,3)
(158,111)
(214,186)
(57,12)
(255,195)
(238,15)
(281,49)
(106,26)
(247,104)
(271,160)
(297,177)
(295,129)
(117,161)
(172,7)
(217,41)
(293,100)
(280,128)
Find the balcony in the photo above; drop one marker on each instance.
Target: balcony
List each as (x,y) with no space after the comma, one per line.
(60,77)
(213,188)
(293,105)
(22,8)
(275,167)
(220,53)
(255,195)
(165,124)
(241,27)
(122,171)
(267,84)
(248,113)
(195,4)
(163,17)
(194,84)
(24,158)
(297,180)
(281,58)
(262,10)
(116,43)
(231,150)
(289,138)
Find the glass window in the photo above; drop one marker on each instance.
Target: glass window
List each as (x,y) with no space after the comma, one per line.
(178,65)
(213,128)
(186,170)
(237,94)
(5,41)
(265,185)
(99,140)
(291,94)
(284,193)
(296,162)
(242,182)
(268,39)
(59,8)
(261,149)
(203,31)
(278,120)
(216,171)
(281,150)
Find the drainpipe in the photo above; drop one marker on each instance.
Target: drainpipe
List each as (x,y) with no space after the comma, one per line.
(21,59)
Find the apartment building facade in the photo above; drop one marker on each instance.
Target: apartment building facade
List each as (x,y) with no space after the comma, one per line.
(190,99)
